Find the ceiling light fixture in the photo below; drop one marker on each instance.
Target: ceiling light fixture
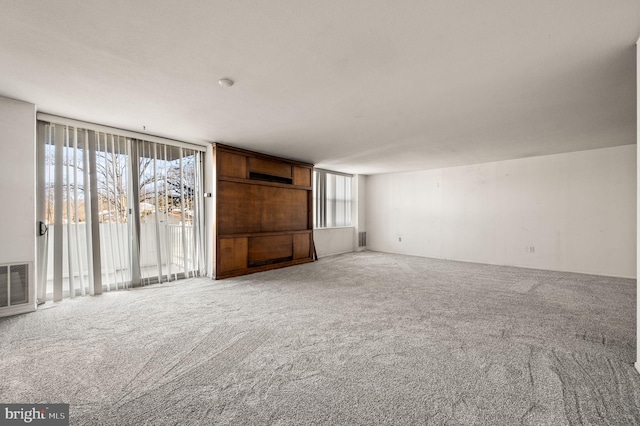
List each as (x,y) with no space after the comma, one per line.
(225,82)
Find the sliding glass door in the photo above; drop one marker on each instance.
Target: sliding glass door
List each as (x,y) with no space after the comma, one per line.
(170,191)
(119,211)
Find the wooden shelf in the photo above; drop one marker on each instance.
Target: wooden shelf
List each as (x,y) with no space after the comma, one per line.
(255,234)
(261,182)
(263,211)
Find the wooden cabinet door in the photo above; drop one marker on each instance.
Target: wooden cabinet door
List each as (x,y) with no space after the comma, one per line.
(301,246)
(232,165)
(270,249)
(245,208)
(232,254)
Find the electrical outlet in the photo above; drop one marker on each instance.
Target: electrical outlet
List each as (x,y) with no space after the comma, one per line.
(530,249)
(399,239)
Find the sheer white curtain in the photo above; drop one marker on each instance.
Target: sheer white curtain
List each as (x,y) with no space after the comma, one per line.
(171,212)
(120,211)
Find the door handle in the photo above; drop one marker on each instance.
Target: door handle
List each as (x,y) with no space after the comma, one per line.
(42,228)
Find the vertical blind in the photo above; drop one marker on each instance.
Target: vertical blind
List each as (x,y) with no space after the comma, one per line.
(120,211)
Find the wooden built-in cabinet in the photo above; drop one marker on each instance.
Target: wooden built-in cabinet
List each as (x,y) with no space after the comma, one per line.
(263,212)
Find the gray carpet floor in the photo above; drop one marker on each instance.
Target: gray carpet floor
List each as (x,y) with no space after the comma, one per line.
(361,338)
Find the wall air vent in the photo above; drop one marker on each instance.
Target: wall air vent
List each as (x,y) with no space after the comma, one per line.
(14,284)
(362,239)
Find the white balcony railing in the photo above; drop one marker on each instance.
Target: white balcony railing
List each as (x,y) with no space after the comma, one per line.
(173,242)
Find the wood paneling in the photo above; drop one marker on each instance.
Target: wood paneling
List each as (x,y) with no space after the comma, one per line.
(301,176)
(260,208)
(232,165)
(269,167)
(301,245)
(233,254)
(271,247)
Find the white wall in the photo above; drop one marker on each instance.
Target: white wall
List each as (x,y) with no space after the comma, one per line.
(18,183)
(359,212)
(329,241)
(209,209)
(578,211)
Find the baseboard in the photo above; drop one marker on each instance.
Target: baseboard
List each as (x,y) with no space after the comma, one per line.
(637,365)
(504,264)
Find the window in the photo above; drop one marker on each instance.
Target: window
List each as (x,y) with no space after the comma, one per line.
(332,199)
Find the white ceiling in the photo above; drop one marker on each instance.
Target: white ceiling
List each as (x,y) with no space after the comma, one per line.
(357,86)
